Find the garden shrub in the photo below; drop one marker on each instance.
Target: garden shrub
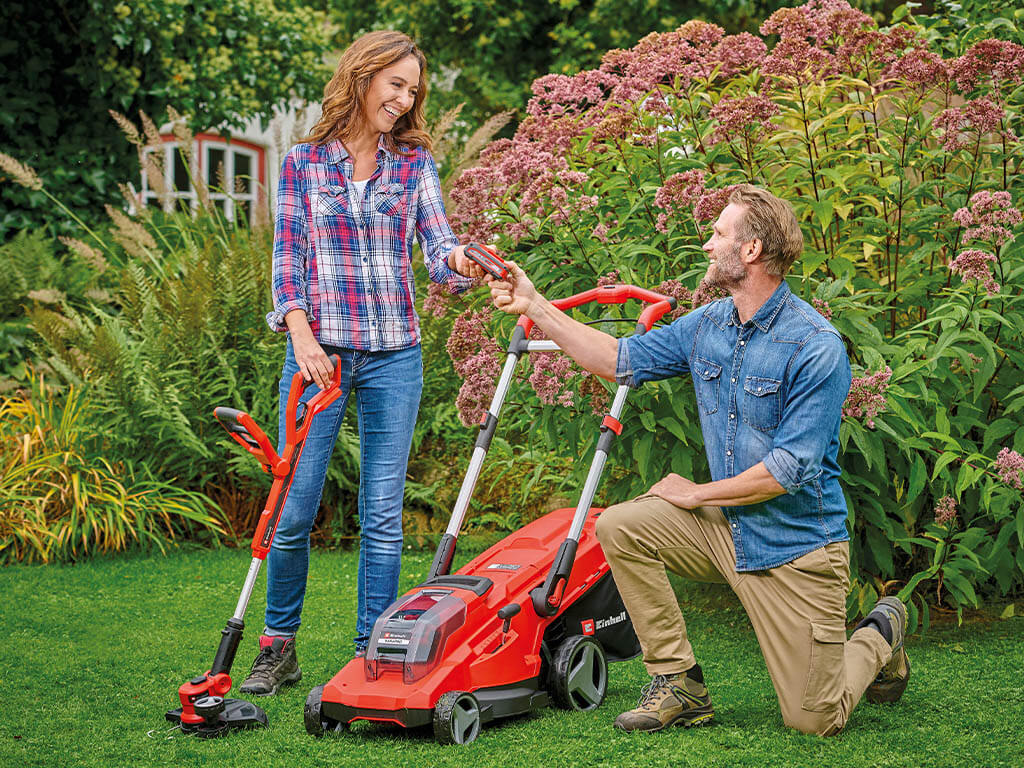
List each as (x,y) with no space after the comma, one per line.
(62,497)
(897,148)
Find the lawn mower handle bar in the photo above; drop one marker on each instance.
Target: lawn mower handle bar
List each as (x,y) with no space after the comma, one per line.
(614,294)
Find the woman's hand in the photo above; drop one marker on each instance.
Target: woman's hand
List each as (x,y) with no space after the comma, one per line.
(313,362)
(462,264)
(515,293)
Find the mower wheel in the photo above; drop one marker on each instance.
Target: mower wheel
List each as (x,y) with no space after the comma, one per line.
(579,674)
(456,718)
(317,724)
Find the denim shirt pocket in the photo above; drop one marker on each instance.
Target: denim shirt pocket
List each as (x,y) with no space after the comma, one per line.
(762,403)
(389,199)
(707,377)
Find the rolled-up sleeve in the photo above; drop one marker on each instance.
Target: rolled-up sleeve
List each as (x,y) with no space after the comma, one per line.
(290,266)
(658,354)
(433,231)
(820,382)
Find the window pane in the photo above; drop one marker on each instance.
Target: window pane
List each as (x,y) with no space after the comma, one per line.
(181,183)
(243,174)
(223,205)
(215,168)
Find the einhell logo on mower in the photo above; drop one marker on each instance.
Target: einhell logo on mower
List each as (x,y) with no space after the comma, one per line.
(589,626)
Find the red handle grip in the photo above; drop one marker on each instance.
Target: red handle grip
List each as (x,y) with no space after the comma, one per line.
(488,260)
(614,294)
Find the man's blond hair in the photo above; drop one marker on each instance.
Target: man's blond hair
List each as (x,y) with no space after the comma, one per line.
(771,220)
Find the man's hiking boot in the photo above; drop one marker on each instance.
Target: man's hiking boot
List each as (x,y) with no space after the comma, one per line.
(275,666)
(892,680)
(668,700)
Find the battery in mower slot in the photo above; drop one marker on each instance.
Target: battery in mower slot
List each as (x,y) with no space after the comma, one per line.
(412,632)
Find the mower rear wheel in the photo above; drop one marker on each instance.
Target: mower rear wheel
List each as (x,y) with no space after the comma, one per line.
(456,718)
(317,723)
(579,674)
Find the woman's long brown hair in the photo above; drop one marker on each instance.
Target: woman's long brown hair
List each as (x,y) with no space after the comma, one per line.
(344,102)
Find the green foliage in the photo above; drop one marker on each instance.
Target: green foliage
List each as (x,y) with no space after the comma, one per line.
(61,497)
(220,63)
(591,184)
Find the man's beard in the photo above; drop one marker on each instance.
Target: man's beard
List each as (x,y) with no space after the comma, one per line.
(727,271)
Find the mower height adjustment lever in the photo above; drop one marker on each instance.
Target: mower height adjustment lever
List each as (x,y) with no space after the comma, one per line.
(506,613)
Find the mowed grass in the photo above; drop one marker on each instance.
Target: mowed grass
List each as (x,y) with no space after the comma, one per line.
(93,655)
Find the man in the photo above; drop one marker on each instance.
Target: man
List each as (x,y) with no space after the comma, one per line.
(771,375)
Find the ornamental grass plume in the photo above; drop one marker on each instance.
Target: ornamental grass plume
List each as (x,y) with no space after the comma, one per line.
(1009,465)
(945,510)
(19,173)
(867,396)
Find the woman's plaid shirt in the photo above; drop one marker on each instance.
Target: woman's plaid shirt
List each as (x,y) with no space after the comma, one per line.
(350,267)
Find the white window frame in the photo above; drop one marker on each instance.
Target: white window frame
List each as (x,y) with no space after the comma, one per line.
(201,148)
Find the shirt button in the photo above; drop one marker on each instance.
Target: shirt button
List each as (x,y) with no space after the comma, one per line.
(728,453)
(742,342)
(734,525)
(758,389)
(734,380)
(732,415)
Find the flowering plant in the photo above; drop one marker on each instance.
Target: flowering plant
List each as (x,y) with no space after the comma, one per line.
(898,149)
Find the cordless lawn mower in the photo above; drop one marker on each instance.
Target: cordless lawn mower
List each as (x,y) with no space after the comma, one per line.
(531,621)
(204,711)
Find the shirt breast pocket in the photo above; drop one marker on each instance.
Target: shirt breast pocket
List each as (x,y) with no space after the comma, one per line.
(762,403)
(390,200)
(329,200)
(707,378)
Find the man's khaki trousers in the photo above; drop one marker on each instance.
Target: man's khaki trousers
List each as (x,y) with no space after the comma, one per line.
(798,610)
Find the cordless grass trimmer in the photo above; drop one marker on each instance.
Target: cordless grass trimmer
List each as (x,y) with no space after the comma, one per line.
(204,711)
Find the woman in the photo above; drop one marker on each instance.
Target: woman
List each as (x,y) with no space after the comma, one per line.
(349,201)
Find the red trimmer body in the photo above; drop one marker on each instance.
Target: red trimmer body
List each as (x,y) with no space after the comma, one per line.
(204,711)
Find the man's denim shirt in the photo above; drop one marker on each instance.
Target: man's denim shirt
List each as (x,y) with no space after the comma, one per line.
(771,390)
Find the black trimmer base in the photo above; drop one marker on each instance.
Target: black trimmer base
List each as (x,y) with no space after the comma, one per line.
(221,717)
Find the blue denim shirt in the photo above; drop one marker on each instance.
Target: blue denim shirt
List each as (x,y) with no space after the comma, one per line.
(772,390)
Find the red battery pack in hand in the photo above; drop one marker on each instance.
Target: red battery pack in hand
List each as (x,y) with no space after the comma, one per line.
(488,260)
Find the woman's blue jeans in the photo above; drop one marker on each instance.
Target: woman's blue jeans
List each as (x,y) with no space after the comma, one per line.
(387,387)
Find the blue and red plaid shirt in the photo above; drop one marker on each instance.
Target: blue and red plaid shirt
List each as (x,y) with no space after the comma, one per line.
(350,267)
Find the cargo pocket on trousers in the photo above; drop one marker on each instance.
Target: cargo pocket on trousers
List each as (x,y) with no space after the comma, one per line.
(826,675)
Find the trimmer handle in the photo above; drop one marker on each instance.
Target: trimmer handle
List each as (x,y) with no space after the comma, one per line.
(297,422)
(488,260)
(615,294)
(244,431)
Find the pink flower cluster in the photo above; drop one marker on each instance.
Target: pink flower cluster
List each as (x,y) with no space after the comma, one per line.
(748,115)
(822,306)
(1010,466)
(706,293)
(612,278)
(971,121)
(945,510)
(797,60)
(918,68)
(712,203)
(867,396)
(678,291)
(551,378)
(476,359)
(997,61)
(687,190)
(974,264)
(436,302)
(989,217)
(590,385)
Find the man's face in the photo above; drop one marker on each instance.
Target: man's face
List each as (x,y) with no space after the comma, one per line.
(726,269)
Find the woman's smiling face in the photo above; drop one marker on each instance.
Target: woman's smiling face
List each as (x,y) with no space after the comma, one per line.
(392,93)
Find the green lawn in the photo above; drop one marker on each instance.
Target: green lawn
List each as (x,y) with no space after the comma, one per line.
(94,653)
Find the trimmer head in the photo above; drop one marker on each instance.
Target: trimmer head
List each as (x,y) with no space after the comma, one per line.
(220,716)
